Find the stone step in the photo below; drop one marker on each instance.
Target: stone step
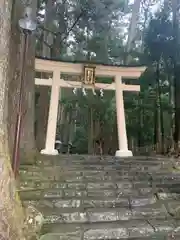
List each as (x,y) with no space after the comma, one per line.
(168,196)
(58,161)
(99,181)
(92,198)
(50,189)
(85,202)
(103,165)
(134,229)
(135,207)
(95,175)
(119,190)
(156,237)
(169,175)
(88,160)
(92,215)
(82,203)
(82,175)
(56,194)
(104,157)
(105,184)
(72,193)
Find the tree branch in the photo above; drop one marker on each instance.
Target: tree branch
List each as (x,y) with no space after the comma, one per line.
(71,28)
(47,30)
(83,11)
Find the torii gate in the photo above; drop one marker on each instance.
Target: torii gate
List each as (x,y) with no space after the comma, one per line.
(117,72)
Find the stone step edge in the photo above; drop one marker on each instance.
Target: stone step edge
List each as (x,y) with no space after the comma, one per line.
(100,161)
(81,158)
(71,227)
(80,165)
(108,184)
(158,195)
(86,185)
(134,222)
(74,193)
(108,215)
(98,204)
(120,192)
(123,200)
(86,156)
(55,236)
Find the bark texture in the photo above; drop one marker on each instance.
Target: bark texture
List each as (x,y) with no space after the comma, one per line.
(176,54)
(42,110)
(11,214)
(133,24)
(44,100)
(27,143)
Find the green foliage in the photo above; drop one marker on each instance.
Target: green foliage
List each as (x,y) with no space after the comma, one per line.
(158,39)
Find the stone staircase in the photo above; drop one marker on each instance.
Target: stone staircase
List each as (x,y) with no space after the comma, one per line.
(90,198)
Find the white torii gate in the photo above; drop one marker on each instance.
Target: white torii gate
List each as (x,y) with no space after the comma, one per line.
(117,72)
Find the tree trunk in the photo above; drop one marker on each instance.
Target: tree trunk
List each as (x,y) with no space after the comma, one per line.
(66,128)
(140,128)
(155,125)
(167,4)
(27,142)
(43,102)
(61,122)
(42,110)
(171,103)
(11,215)
(114,145)
(158,112)
(161,119)
(161,122)
(48,38)
(176,55)
(133,24)
(90,131)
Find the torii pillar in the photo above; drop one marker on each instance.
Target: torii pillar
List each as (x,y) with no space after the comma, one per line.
(52,117)
(123,150)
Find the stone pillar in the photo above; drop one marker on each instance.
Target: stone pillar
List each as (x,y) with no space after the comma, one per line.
(52,118)
(121,121)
